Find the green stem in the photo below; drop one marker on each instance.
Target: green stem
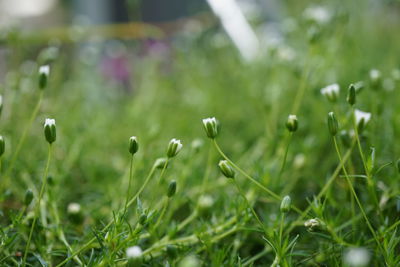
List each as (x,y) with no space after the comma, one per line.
(370,181)
(356,197)
(271,193)
(249,206)
(163,210)
(23,136)
(285,156)
(129,184)
(37,208)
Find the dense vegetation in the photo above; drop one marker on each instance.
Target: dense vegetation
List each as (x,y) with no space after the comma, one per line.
(96,204)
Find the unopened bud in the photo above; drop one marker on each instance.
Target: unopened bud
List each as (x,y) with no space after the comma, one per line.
(133,145)
(291,123)
(211,127)
(171,189)
(44,72)
(332,124)
(351,96)
(50,130)
(174,147)
(160,163)
(226,169)
(286,204)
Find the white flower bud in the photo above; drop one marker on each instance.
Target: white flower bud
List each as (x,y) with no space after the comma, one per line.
(50,130)
(211,127)
(44,72)
(331,92)
(174,147)
(292,123)
(362,118)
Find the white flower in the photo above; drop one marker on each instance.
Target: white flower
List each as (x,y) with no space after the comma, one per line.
(211,127)
(356,257)
(49,122)
(362,117)
(374,74)
(45,69)
(318,14)
(73,208)
(331,91)
(134,252)
(174,147)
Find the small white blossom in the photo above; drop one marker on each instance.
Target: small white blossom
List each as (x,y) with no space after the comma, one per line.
(374,74)
(331,91)
(45,69)
(49,122)
(356,257)
(73,208)
(174,147)
(134,252)
(362,116)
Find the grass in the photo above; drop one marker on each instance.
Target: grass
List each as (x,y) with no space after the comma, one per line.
(93,199)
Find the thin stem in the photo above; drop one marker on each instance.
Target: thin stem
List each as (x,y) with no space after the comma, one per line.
(249,206)
(37,208)
(163,170)
(370,181)
(271,193)
(129,184)
(164,208)
(281,229)
(285,156)
(24,133)
(355,195)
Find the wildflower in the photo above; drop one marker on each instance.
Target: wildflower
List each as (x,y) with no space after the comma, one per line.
(50,130)
(313,224)
(2,145)
(133,145)
(332,124)
(134,252)
(375,78)
(356,257)
(171,189)
(73,208)
(174,147)
(318,14)
(331,92)
(44,72)
(211,127)
(226,169)
(160,163)
(351,96)
(285,204)
(28,197)
(291,123)
(362,118)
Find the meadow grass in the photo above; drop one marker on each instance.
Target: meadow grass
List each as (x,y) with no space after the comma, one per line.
(204,159)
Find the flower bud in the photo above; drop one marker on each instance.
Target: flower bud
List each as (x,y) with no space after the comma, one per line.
(285,204)
(314,224)
(351,96)
(174,147)
(211,127)
(133,145)
(332,124)
(375,78)
(160,163)
(50,130)
(331,92)
(171,189)
(226,169)
(28,197)
(44,72)
(292,123)
(362,118)
(2,145)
